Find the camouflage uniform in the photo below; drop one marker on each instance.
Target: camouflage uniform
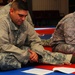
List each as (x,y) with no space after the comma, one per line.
(63,39)
(5,10)
(8,61)
(45,42)
(13,51)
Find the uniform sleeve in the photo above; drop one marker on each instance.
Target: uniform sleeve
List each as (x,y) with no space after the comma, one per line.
(35,40)
(7,47)
(69,31)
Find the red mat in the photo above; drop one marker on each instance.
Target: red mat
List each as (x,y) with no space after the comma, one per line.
(46,31)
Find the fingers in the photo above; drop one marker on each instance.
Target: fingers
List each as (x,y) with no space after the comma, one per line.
(33,56)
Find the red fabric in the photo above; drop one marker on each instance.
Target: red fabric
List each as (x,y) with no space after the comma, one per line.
(48,48)
(50,67)
(46,31)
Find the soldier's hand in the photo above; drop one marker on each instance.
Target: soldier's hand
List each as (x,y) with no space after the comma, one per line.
(33,56)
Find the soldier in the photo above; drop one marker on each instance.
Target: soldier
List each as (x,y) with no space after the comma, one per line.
(5,10)
(13,33)
(63,38)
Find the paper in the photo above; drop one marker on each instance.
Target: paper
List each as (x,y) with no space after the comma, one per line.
(64,69)
(42,28)
(37,71)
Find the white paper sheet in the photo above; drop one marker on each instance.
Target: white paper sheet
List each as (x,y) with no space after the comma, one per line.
(37,71)
(42,28)
(64,69)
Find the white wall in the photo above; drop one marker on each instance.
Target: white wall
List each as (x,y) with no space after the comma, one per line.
(61,5)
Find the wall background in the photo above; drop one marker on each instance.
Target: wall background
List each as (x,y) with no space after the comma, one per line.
(61,5)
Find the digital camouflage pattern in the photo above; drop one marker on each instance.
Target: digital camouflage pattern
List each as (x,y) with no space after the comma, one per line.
(64,48)
(63,38)
(55,58)
(45,42)
(9,62)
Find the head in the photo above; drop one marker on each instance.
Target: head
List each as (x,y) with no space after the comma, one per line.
(18,11)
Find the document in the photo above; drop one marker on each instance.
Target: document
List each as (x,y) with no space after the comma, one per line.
(66,70)
(37,71)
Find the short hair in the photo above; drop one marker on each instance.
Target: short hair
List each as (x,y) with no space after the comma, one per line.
(19,4)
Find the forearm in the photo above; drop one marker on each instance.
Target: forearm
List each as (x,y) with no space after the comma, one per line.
(45,42)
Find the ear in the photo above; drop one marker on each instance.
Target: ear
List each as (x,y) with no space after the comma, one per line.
(11,10)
